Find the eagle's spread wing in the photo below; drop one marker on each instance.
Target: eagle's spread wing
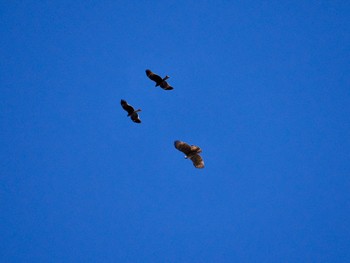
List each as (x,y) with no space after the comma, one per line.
(135,118)
(166,86)
(153,76)
(197,161)
(183,147)
(126,106)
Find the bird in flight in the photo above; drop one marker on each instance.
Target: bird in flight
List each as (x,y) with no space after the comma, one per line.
(158,80)
(192,153)
(132,113)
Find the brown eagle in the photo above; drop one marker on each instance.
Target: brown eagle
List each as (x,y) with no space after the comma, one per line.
(192,153)
(132,113)
(158,80)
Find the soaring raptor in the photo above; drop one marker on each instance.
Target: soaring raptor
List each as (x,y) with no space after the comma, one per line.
(158,80)
(192,153)
(132,113)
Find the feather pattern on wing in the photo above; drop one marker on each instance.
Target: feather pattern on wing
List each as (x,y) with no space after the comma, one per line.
(165,85)
(183,147)
(135,118)
(197,161)
(156,78)
(127,107)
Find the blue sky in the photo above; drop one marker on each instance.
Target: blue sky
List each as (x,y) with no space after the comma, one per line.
(261,86)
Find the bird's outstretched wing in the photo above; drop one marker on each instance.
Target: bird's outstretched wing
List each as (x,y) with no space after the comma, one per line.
(197,161)
(127,107)
(135,118)
(183,147)
(153,76)
(165,85)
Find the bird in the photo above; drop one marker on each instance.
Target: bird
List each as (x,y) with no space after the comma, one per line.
(132,113)
(192,153)
(158,80)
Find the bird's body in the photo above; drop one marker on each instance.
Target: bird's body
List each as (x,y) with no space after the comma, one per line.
(192,153)
(158,80)
(132,113)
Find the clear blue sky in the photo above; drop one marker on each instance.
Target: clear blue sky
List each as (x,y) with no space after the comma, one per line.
(263,87)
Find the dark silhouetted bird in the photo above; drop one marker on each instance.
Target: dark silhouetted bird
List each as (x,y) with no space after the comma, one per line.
(192,153)
(132,113)
(158,80)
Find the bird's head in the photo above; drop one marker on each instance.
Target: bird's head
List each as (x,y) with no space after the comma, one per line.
(166,77)
(137,110)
